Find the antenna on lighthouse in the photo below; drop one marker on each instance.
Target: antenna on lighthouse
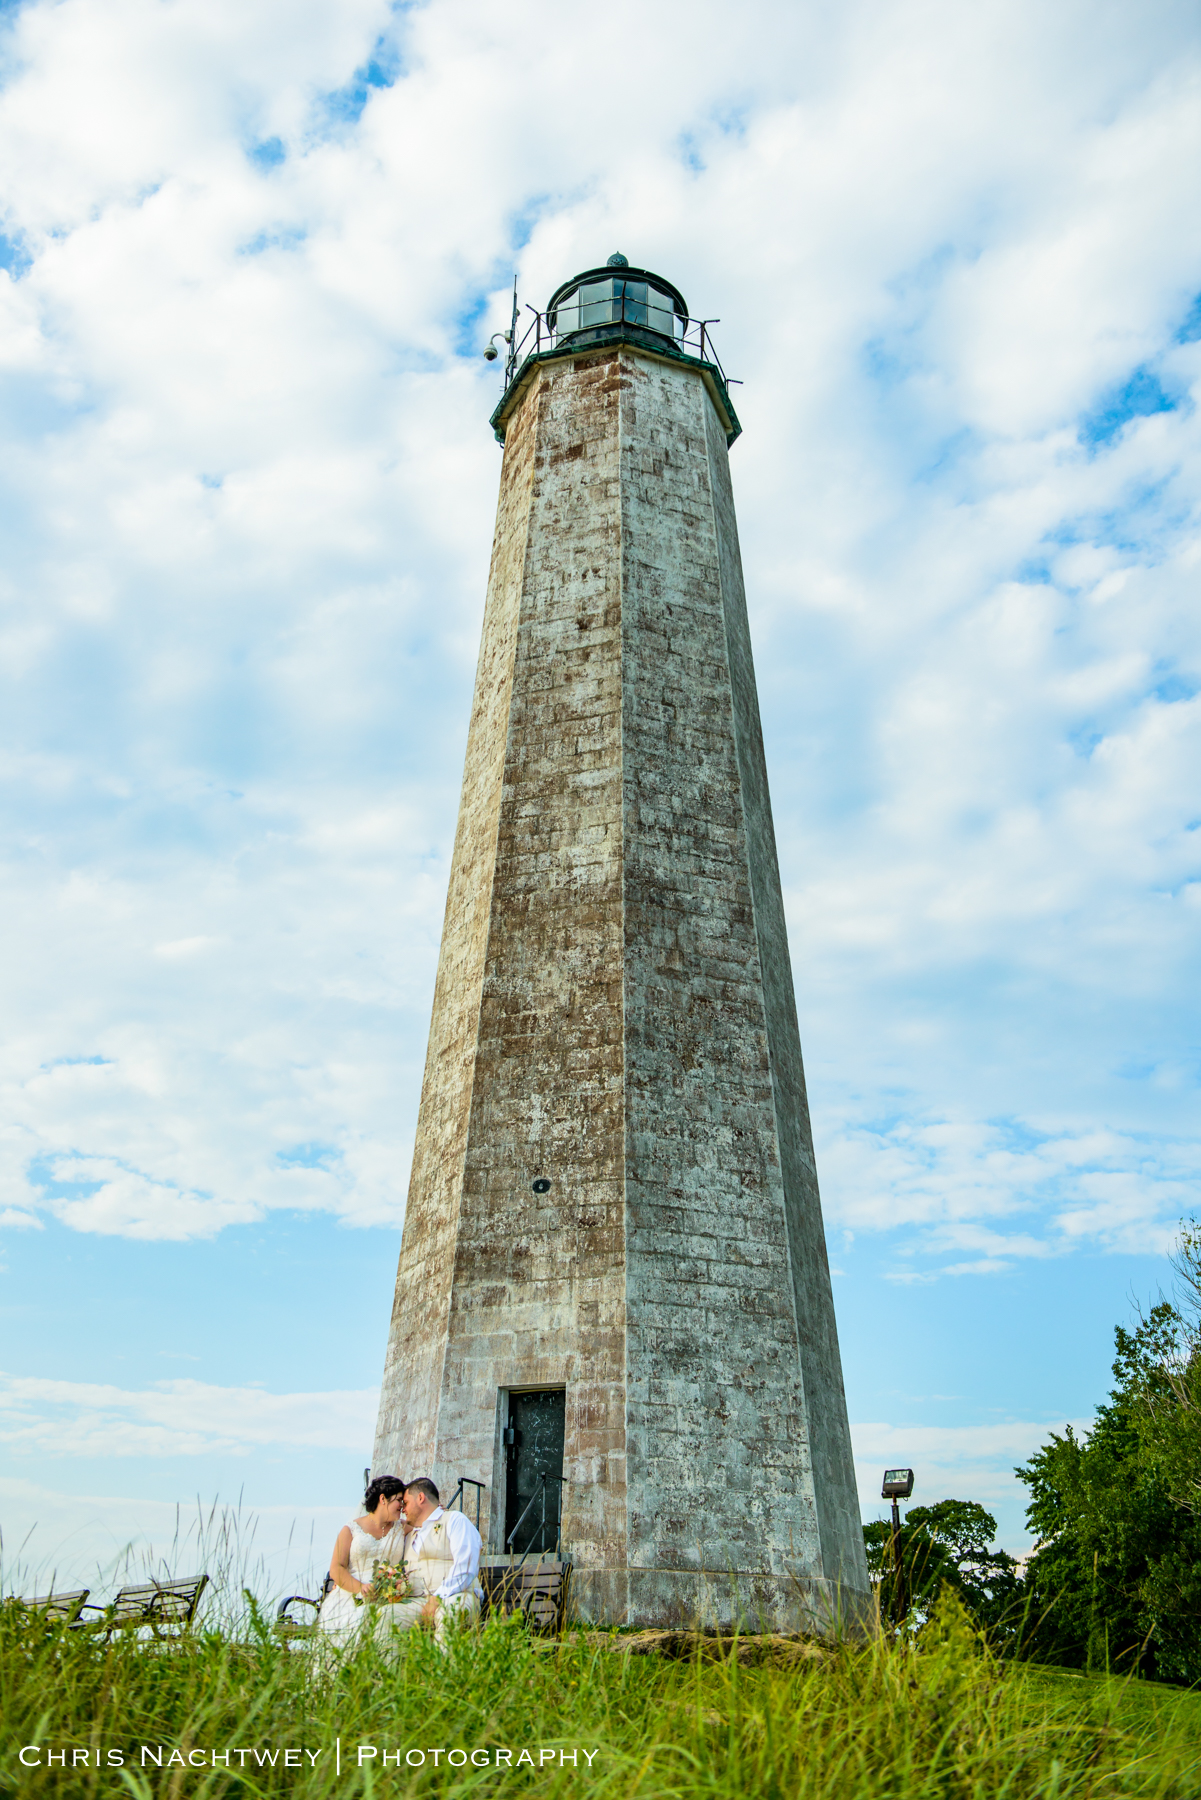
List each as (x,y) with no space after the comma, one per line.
(511,340)
(491,352)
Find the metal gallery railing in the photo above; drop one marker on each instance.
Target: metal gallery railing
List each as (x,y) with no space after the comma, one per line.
(693,338)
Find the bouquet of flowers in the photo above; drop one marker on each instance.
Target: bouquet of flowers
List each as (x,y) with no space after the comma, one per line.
(389,1584)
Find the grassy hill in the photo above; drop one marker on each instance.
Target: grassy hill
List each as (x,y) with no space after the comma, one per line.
(764,1718)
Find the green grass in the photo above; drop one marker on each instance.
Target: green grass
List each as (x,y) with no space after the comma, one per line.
(877,1720)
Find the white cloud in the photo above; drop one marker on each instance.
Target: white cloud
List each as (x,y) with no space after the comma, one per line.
(185,947)
(1006,1190)
(175,1418)
(963,1462)
(247,458)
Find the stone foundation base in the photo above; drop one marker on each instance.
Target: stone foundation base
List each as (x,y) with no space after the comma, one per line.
(706,1600)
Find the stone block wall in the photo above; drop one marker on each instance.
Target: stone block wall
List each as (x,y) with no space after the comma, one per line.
(614,1014)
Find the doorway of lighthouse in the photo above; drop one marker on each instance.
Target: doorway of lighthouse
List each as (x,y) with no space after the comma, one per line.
(534,1472)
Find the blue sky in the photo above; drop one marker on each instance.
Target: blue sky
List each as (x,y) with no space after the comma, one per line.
(249,257)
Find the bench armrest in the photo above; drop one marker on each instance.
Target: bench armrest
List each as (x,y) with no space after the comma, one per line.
(281,1611)
(91,1606)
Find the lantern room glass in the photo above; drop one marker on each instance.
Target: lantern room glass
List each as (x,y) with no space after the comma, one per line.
(612,301)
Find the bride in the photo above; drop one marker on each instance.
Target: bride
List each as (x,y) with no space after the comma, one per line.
(376,1537)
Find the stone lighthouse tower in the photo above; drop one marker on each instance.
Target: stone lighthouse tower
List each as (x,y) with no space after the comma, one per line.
(613,1305)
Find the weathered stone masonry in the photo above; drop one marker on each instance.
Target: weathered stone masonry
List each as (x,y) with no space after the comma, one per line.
(614,1012)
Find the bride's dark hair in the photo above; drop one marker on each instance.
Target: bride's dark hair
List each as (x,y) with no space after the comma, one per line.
(384,1487)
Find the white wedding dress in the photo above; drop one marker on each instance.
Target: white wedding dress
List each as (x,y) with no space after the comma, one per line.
(339,1617)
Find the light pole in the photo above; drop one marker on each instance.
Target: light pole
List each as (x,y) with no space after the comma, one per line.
(898,1485)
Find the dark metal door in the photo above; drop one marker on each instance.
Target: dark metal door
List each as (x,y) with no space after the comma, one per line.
(535,1449)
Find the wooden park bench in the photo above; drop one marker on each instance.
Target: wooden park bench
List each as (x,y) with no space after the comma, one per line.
(289,1627)
(167,1608)
(533,1582)
(536,1586)
(59,1609)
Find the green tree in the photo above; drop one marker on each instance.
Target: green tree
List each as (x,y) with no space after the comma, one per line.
(1164,1375)
(944,1545)
(986,1578)
(1115,1579)
(925,1565)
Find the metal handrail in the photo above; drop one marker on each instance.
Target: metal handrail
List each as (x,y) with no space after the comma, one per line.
(539,1493)
(458,1497)
(694,342)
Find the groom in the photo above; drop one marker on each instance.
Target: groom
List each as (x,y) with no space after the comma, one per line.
(441,1560)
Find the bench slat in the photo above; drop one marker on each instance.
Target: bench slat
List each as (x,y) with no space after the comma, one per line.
(56,1606)
(151,1603)
(540,1592)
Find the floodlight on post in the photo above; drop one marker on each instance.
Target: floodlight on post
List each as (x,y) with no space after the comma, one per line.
(898,1485)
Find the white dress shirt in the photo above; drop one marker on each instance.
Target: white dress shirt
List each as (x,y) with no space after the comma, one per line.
(465,1546)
